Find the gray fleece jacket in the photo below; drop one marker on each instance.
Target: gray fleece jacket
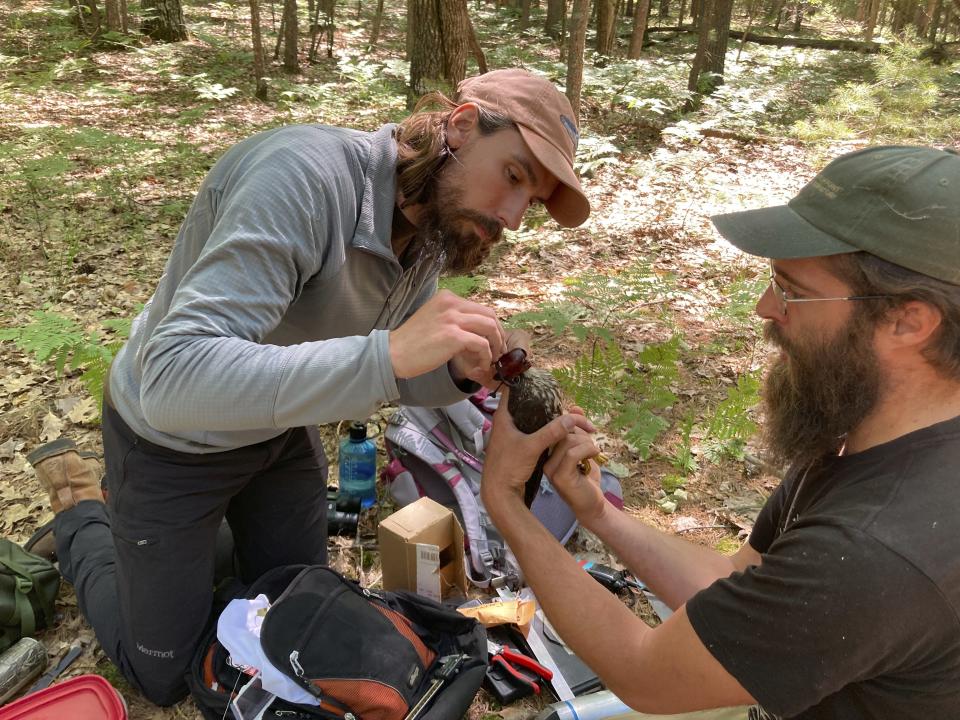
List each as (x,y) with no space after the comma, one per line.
(274,308)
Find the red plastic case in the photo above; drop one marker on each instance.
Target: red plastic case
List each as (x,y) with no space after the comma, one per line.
(85,697)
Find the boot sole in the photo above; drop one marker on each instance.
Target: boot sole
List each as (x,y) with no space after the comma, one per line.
(43,536)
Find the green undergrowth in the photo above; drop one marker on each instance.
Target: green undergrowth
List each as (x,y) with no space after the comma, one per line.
(647,392)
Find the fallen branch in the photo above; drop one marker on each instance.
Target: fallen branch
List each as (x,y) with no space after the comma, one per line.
(744,137)
(821,43)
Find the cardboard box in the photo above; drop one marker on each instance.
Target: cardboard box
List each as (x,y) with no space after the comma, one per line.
(421,549)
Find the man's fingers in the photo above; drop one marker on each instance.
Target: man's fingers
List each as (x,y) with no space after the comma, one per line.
(479,320)
(559,428)
(567,456)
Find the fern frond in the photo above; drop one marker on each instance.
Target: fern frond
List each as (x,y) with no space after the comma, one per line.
(591,382)
(53,337)
(641,427)
(47,335)
(558,317)
(730,425)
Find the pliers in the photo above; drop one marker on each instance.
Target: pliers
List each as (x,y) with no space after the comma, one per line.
(510,660)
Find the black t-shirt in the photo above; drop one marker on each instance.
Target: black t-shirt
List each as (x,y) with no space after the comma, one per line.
(854,611)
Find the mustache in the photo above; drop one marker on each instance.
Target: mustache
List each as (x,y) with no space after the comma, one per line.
(491,228)
(773,335)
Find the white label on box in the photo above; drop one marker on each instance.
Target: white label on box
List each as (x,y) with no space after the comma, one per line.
(428,571)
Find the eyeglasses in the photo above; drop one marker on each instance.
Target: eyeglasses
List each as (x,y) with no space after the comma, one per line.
(784,297)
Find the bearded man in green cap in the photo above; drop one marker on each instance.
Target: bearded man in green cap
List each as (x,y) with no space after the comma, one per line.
(845,601)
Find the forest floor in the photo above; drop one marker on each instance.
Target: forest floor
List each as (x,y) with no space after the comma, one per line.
(101,150)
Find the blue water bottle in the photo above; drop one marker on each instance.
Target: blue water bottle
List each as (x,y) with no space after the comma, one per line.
(358,466)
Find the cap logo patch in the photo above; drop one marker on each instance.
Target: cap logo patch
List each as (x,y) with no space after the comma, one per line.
(571,130)
(825,187)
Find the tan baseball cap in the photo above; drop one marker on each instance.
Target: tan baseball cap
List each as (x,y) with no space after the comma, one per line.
(547,125)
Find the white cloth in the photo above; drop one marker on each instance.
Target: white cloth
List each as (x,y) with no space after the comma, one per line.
(238,630)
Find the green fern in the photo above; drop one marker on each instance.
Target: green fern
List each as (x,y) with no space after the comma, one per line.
(648,393)
(683,458)
(592,303)
(463,285)
(658,366)
(606,384)
(558,317)
(641,427)
(47,335)
(53,337)
(730,427)
(591,381)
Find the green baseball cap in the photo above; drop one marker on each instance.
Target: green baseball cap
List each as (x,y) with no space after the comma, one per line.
(899,203)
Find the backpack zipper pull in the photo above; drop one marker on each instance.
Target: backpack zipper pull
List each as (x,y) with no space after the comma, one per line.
(371,593)
(301,676)
(295,664)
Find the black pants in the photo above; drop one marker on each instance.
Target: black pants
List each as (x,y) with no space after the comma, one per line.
(143,565)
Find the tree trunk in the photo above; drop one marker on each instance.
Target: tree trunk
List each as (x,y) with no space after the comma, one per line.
(707,70)
(377,21)
(682,12)
(455,33)
(261,91)
(326,25)
(578,34)
(291,37)
(164,20)
(86,16)
(798,15)
(640,16)
(898,17)
(663,11)
(935,13)
(555,11)
(870,24)
(124,17)
(881,17)
(113,15)
(424,45)
(700,57)
(606,21)
(751,11)
(438,34)
(475,48)
(776,9)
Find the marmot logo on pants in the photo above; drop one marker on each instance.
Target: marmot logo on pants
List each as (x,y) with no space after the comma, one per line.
(163,654)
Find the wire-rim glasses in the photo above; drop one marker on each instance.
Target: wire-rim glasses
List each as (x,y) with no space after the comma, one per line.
(784,297)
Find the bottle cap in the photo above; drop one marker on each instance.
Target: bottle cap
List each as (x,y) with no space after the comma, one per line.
(358,431)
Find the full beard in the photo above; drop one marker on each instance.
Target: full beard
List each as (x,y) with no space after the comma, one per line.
(818,391)
(446,235)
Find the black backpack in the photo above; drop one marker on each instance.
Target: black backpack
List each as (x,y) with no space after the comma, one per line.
(364,654)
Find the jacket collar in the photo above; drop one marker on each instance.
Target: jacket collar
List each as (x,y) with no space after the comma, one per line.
(375,223)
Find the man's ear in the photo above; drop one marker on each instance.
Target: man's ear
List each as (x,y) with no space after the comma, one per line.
(461,124)
(913,324)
